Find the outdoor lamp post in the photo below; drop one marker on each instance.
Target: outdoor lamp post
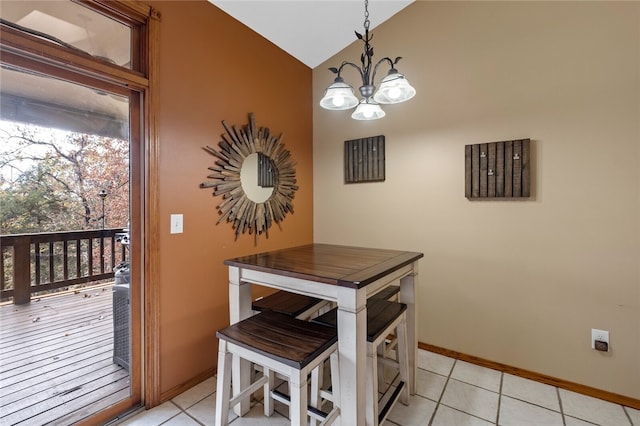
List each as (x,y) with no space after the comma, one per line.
(102,194)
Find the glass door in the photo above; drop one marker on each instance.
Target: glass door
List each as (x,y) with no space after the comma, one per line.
(70,220)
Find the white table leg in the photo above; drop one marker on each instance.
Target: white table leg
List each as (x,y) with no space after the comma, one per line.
(352,350)
(239,309)
(408,296)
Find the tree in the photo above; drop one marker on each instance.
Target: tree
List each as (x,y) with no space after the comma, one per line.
(30,205)
(50,180)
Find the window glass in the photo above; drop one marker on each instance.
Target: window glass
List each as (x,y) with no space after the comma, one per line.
(67,23)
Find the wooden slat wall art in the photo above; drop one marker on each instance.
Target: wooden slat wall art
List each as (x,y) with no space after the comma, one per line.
(364,160)
(235,207)
(497,170)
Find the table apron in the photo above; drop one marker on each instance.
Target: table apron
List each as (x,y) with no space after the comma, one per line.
(294,285)
(391,278)
(314,288)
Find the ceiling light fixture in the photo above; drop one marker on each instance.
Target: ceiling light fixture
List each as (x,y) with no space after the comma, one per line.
(394,88)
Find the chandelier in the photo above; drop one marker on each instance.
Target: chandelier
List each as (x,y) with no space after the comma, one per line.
(394,87)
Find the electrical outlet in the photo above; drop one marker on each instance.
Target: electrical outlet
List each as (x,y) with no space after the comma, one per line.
(600,340)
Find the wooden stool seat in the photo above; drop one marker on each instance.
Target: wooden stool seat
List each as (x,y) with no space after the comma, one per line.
(283,338)
(380,313)
(281,344)
(293,304)
(388,293)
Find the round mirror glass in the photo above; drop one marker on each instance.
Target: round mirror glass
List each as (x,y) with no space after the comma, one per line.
(257,177)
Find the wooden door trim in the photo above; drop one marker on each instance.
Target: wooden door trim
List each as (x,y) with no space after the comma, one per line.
(152,229)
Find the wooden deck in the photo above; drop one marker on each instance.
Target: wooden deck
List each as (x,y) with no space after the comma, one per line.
(56,359)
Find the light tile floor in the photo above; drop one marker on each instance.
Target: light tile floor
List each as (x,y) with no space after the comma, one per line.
(449,393)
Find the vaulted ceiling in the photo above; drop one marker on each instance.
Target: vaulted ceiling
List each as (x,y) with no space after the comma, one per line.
(310,30)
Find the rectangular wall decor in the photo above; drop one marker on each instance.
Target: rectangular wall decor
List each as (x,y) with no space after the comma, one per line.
(364,160)
(497,170)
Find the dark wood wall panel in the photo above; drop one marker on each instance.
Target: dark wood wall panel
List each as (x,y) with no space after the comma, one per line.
(364,160)
(497,170)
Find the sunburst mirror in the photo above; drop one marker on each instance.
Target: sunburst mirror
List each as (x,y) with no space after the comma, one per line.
(256,177)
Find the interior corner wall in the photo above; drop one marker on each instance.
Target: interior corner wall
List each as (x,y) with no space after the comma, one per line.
(520,282)
(213,68)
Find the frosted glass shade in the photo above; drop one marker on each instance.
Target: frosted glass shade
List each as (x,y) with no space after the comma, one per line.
(368,110)
(339,96)
(394,88)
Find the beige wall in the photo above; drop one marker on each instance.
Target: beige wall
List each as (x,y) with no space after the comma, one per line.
(516,282)
(213,68)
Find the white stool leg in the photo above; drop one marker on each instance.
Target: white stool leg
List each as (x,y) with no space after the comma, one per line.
(402,352)
(268,387)
(317,379)
(372,385)
(381,377)
(335,378)
(223,384)
(298,399)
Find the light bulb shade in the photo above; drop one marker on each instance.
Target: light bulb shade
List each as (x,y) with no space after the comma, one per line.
(368,110)
(394,88)
(339,96)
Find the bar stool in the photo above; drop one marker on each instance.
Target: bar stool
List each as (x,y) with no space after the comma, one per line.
(280,344)
(293,304)
(383,318)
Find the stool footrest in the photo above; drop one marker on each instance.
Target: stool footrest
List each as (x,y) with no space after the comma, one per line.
(390,403)
(312,411)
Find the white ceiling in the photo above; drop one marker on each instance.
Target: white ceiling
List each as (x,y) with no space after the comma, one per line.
(310,30)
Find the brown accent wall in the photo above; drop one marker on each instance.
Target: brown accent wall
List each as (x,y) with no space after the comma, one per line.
(214,68)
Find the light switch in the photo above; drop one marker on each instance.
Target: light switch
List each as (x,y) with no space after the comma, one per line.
(176,224)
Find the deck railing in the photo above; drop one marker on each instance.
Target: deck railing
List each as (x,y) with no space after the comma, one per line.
(33,263)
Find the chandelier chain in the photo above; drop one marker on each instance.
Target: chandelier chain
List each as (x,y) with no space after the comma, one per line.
(366,15)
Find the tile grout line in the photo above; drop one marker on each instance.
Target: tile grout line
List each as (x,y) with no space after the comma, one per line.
(189,415)
(180,411)
(544,407)
(499,398)
(564,420)
(624,409)
(444,388)
(194,419)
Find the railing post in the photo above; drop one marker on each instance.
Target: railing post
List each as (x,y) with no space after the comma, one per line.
(21,271)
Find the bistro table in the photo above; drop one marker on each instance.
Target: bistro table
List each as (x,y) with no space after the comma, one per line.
(342,274)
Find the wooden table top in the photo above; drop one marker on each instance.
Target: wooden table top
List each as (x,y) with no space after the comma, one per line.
(346,266)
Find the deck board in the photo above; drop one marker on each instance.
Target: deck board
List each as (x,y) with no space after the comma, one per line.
(56,359)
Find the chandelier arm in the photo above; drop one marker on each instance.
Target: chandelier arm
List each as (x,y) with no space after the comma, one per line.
(354,66)
(375,68)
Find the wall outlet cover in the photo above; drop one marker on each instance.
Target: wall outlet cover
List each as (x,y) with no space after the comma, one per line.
(176,224)
(600,340)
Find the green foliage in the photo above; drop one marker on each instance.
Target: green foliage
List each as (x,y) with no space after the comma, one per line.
(30,205)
